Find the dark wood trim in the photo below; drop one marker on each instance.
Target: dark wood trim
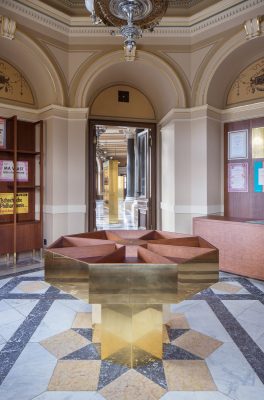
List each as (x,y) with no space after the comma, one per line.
(249,205)
(92,167)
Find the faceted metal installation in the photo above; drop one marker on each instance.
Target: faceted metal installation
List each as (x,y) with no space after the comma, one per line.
(132,274)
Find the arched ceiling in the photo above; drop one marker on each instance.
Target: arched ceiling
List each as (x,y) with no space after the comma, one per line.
(228,70)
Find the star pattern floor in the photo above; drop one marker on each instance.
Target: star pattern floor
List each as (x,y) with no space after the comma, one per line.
(213,347)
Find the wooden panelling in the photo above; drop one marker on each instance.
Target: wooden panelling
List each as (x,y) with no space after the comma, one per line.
(243,204)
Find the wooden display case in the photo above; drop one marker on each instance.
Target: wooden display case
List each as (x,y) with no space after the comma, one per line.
(21,178)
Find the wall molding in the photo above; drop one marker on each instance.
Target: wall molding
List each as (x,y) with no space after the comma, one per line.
(192,209)
(170,26)
(53,110)
(236,113)
(65,209)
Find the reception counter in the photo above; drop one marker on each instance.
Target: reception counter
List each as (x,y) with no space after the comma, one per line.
(240,243)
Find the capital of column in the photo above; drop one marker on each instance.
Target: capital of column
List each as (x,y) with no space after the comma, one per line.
(130,133)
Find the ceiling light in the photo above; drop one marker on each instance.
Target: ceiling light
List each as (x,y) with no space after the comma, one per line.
(131,17)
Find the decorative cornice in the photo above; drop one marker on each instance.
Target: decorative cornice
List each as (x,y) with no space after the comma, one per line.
(187,26)
(53,110)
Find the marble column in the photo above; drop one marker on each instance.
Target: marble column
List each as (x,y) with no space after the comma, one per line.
(130,195)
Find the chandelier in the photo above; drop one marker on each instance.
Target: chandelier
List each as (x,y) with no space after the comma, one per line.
(131,17)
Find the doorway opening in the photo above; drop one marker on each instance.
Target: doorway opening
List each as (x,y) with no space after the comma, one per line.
(122,175)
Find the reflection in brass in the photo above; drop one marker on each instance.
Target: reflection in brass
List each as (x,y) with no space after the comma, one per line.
(129,330)
(132,295)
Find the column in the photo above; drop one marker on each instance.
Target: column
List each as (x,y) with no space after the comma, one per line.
(130,195)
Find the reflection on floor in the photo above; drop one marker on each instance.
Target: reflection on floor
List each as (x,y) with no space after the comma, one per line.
(125,220)
(213,346)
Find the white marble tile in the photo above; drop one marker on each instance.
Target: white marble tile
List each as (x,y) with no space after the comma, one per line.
(194,396)
(237,307)
(77,305)
(249,392)
(254,314)
(182,306)
(260,342)
(230,370)
(37,273)
(30,375)
(3,307)
(59,318)
(255,331)
(179,396)
(258,284)
(9,315)
(24,306)
(8,330)
(70,396)
(4,281)
(201,318)
(2,342)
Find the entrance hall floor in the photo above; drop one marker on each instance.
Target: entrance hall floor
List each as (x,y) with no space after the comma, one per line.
(213,346)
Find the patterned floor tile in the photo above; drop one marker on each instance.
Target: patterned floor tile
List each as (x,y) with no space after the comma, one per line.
(31,287)
(226,287)
(82,320)
(197,343)
(132,386)
(74,375)
(64,343)
(188,375)
(178,321)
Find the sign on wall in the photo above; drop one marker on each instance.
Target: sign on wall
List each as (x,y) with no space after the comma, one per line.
(238,177)
(237,144)
(7,171)
(259,176)
(7,203)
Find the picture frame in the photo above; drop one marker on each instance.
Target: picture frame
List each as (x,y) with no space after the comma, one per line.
(2,133)
(238,177)
(238,144)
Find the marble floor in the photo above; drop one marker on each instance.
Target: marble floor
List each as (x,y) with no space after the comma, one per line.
(124,220)
(49,350)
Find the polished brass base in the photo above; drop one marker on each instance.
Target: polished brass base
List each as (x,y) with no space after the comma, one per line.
(131,334)
(97,268)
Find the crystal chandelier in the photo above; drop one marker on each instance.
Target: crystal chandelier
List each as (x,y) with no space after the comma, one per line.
(131,17)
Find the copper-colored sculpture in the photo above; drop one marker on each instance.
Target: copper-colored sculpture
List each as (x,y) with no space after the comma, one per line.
(132,274)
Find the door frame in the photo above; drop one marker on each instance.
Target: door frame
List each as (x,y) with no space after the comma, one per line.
(92,167)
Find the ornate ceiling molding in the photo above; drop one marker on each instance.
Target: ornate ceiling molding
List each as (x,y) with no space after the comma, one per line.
(169,27)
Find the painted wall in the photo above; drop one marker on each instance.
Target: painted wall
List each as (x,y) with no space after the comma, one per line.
(107,104)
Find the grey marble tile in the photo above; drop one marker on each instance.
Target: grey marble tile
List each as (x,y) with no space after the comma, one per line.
(195,396)
(254,314)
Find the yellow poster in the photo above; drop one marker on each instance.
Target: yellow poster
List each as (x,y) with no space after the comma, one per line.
(7,203)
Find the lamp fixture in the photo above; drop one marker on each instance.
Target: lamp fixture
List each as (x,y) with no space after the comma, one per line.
(131,17)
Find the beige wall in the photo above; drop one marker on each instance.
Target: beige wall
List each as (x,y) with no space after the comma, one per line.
(172,81)
(107,104)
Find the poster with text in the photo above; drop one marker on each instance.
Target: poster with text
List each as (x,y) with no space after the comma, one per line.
(7,203)
(258,176)
(7,171)
(238,177)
